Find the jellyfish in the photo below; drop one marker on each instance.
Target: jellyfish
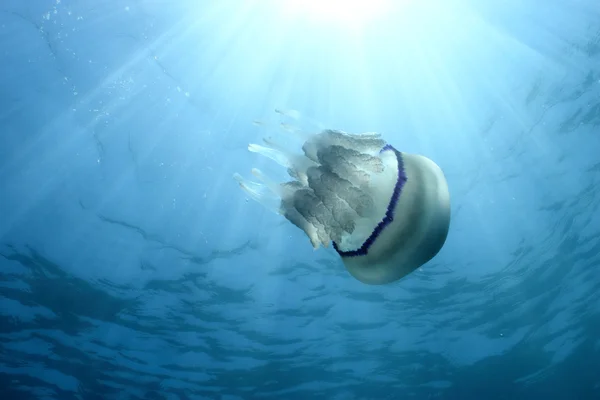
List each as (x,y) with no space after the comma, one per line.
(385,212)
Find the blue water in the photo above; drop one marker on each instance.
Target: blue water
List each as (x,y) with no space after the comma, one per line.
(133,267)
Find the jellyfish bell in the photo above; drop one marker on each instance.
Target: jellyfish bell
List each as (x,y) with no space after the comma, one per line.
(386,212)
(413,230)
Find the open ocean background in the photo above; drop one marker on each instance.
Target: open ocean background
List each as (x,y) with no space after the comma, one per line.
(133,267)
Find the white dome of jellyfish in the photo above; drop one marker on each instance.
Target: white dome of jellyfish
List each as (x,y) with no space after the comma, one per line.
(386,212)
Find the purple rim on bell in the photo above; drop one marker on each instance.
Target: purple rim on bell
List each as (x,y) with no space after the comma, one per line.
(389,214)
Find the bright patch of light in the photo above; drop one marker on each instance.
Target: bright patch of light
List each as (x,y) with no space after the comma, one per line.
(346,11)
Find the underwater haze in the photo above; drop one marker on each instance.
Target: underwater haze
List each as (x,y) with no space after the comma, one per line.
(132,266)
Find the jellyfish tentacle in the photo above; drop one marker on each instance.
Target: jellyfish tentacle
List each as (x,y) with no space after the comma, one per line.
(273,186)
(269,152)
(259,193)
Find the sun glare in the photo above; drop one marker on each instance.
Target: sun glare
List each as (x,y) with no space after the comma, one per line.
(344,11)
